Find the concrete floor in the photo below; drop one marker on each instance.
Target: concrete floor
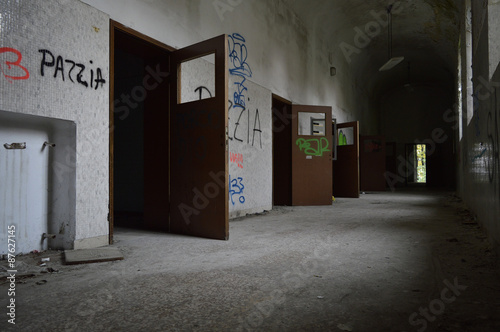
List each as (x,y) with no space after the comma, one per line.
(379,263)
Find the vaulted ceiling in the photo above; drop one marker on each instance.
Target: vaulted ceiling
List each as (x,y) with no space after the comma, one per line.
(425,32)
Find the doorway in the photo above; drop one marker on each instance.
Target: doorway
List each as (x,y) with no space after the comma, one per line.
(282,151)
(416,156)
(140,131)
(167,177)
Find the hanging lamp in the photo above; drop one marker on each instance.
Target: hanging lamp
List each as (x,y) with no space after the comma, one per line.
(392,62)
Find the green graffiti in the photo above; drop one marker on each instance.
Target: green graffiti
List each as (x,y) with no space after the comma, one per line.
(313,146)
(342,139)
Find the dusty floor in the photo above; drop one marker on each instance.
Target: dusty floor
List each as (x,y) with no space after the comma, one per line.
(404,261)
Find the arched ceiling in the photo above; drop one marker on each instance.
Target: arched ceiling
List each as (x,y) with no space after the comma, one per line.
(425,32)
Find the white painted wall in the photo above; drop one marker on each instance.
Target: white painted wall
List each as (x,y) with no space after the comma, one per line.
(73,33)
(286,55)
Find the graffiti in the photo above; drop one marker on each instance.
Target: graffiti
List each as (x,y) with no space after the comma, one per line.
(256,130)
(480,155)
(236,189)
(200,89)
(14,70)
(58,63)
(237,158)
(342,139)
(313,146)
(239,67)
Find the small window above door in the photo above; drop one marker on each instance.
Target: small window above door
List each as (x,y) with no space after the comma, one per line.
(312,124)
(197,79)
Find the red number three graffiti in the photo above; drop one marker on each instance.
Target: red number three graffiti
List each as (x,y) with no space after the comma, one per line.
(11,64)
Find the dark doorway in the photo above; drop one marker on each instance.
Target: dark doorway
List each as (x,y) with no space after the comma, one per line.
(152,184)
(416,170)
(139,122)
(282,151)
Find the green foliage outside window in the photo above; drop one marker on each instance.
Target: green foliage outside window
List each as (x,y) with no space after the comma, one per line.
(421,163)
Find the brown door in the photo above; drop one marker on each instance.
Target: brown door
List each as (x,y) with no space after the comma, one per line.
(372,163)
(198,159)
(312,147)
(346,167)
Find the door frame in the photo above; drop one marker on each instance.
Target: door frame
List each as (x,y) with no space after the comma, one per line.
(283,122)
(113,26)
(351,154)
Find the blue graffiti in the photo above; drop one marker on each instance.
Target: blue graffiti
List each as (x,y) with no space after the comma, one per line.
(236,188)
(239,67)
(480,155)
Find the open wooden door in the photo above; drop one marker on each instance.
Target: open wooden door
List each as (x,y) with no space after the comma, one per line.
(346,167)
(198,157)
(312,148)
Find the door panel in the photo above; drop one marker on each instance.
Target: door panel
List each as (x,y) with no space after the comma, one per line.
(198,159)
(372,163)
(346,167)
(311,155)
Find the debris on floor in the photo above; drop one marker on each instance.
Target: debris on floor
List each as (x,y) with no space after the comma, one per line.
(95,255)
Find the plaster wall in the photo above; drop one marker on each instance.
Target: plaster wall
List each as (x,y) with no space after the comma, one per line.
(53,56)
(480,146)
(286,54)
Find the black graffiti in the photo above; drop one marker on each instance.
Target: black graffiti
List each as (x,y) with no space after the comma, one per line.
(200,89)
(255,130)
(58,63)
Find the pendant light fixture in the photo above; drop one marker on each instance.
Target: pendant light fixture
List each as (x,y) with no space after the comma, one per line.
(408,85)
(392,62)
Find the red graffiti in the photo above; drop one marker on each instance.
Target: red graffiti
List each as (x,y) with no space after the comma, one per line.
(11,65)
(237,158)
